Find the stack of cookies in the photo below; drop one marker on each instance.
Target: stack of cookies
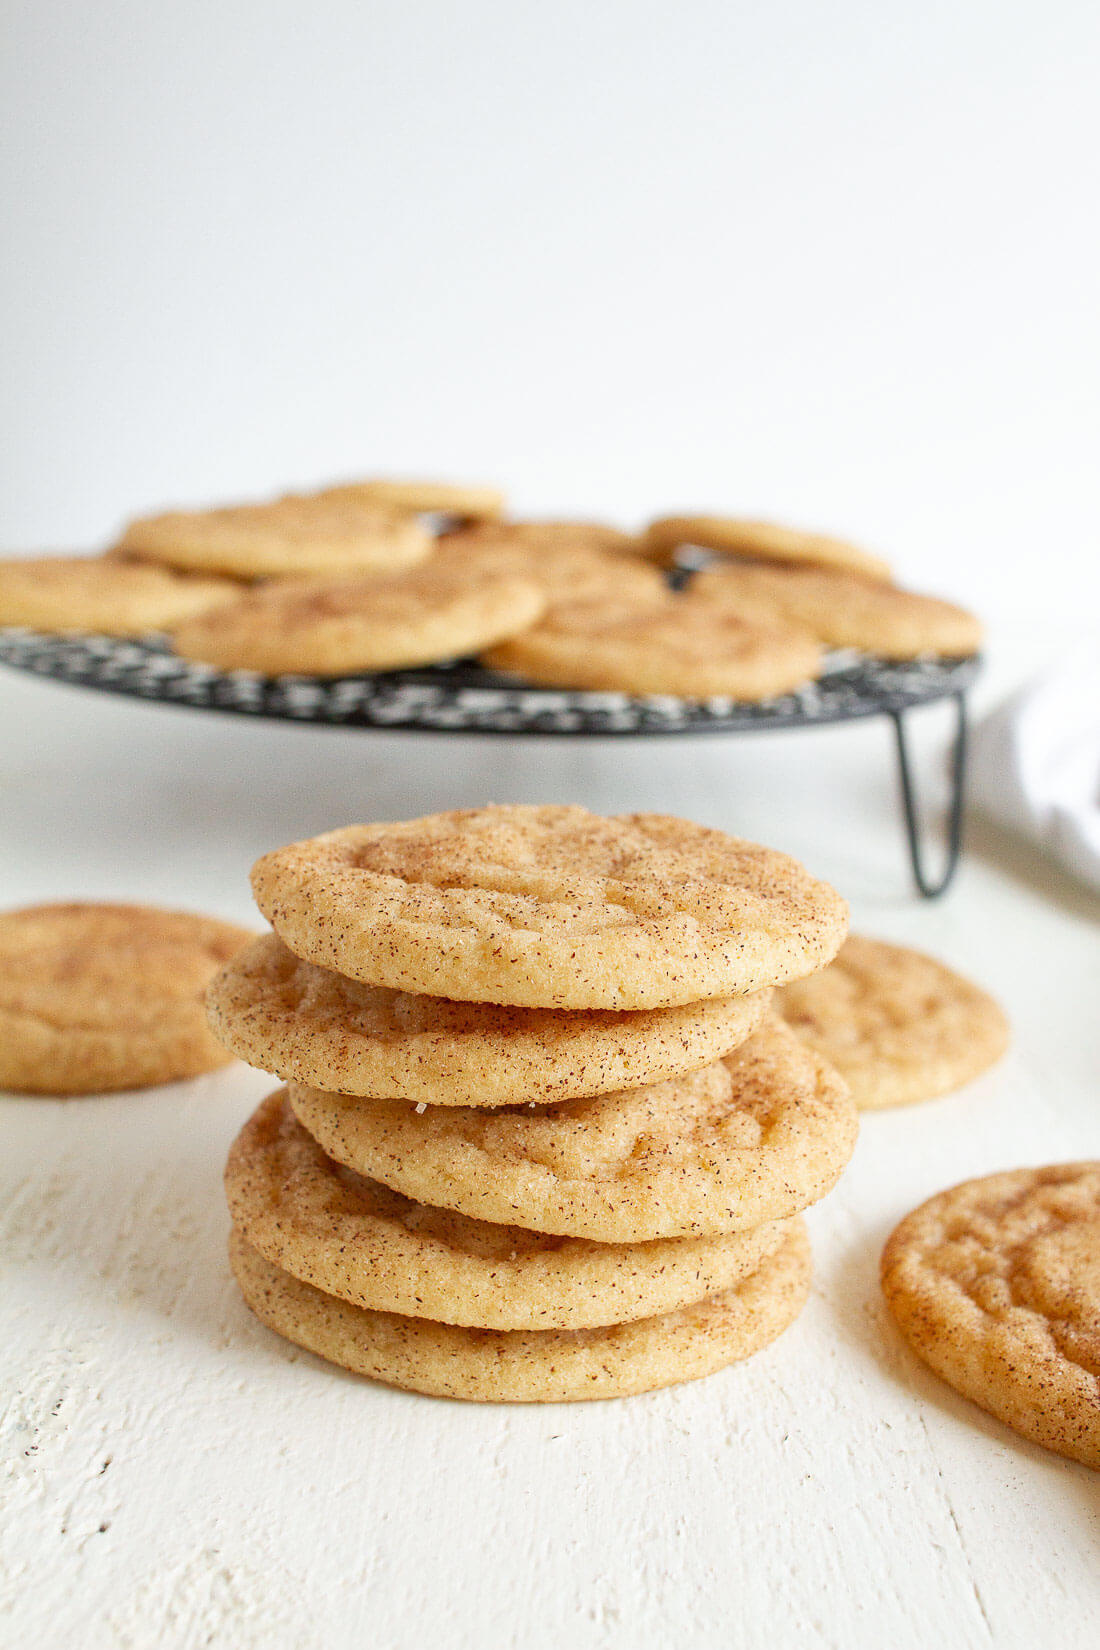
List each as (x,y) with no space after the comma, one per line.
(543,1137)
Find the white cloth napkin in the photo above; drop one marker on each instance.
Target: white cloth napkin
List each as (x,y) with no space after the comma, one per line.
(1036,765)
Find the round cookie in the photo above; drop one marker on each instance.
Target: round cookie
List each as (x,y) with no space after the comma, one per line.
(464,501)
(540,536)
(59,594)
(532,1366)
(290,537)
(340,627)
(359,1240)
(757,1136)
(98,997)
(550,907)
(842,610)
(317,1028)
(567,572)
(763,539)
(695,650)
(996,1286)
(897,1025)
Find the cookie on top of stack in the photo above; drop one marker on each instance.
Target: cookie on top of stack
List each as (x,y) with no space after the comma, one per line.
(543,1138)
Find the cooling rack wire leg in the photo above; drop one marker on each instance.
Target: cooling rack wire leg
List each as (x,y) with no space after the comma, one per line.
(928,887)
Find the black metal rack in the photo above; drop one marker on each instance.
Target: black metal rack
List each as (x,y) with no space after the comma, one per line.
(464,697)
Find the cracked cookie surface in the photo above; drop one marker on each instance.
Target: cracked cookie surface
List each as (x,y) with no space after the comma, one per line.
(336,627)
(109,597)
(550,907)
(355,1238)
(96,997)
(672,644)
(533,1366)
(766,540)
(294,536)
(996,1286)
(842,609)
(899,1026)
(312,1026)
(757,1136)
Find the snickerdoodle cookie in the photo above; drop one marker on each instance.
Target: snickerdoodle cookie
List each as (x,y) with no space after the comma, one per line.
(763,539)
(696,650)
(996,1285)
(538,536)
(355,1238)
(897,1025)
(96,997)
(842,610)
(466,501)
(342,626)
(531,1366)
(550,907)
(287,537)
(567,572)
(96,593)
(317,1028)
(757,1136)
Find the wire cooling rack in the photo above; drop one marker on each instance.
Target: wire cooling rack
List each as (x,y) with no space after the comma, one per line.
(464,697)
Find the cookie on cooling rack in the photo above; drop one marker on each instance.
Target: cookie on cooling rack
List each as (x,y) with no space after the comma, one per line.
(550,907)
(764,540)
(538,536)
(313,1026)
(533,1366)
(288,537)
(65,594)
(996,1286)
(756,1136)
(673,645)
(357,1239)
(568,572)
(899,1026)
(465,501)
(96,997)
(338,627)
(842,609)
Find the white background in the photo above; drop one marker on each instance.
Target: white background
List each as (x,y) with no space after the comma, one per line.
(832,263)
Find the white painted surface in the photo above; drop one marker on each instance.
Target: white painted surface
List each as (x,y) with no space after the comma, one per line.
(832,263)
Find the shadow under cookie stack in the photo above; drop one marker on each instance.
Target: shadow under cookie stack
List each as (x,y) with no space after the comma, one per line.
(543,1136)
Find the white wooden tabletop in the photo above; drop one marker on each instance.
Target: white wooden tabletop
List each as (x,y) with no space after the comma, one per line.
(176,1476)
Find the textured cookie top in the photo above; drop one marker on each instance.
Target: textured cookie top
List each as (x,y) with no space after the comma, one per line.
(676,645)
(757,1136)
(550,907)
(89,965)
(996,1283)
(306,1023)
(289,536)
(104,997)
(843,610)
(98,593)
(897,1025)
(567,572)
(468,501)
(764,539)
(540,1365)
(543,535)
(334,627)
(355,1238)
